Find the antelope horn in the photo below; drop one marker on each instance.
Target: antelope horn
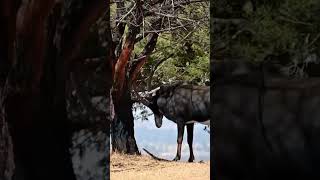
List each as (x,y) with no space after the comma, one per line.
(142,98)
(153,91)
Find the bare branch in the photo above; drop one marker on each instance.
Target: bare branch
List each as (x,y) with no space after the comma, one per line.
(137,64)
(137,97)
(155,157)
(154,68)
(235,21)
(127,14)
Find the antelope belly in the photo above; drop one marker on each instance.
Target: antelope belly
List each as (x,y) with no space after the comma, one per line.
(207,122)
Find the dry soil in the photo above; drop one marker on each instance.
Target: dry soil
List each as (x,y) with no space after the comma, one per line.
(133,167)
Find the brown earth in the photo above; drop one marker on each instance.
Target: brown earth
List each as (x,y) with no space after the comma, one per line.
(133,167)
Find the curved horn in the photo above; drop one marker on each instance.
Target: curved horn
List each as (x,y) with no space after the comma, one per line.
(153,91)
(142,98)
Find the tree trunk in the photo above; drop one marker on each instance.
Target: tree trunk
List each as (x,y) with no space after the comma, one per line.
(40,129)
(122,136)
(6,148)
(36,107)
(7,40)
(122,131)
(88,110)
(38,42)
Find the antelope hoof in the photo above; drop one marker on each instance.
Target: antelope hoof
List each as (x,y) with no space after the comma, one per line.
(176,158)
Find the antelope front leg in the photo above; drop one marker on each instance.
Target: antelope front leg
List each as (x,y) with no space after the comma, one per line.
(190,140)
(179,141)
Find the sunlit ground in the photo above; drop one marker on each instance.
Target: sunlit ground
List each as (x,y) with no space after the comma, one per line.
(131,167)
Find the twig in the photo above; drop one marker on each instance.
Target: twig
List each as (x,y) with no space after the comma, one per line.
(129,12)
(314,40)
(294,21)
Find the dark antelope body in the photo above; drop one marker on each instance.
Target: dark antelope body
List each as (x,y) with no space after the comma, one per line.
(184,105)
(268,127)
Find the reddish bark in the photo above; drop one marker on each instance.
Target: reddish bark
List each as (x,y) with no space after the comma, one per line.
(136,70)
(120,80)
(7,19)
(120,68)
(123,126)
(36,108)
(30,21)
(32,12)
(149,47)
(81,22)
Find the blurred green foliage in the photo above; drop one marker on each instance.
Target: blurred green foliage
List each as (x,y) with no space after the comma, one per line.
(186,55)
(269,28)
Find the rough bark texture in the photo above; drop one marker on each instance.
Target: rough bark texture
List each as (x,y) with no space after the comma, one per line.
(6,149)
(35,58)
(36,106)
(122,132)
(125,74)
(123,126)
(88,109)
(7,35)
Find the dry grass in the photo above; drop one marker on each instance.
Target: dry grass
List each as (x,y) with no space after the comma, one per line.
(132,167)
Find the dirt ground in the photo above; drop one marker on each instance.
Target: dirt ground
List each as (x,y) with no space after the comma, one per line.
(132,167)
